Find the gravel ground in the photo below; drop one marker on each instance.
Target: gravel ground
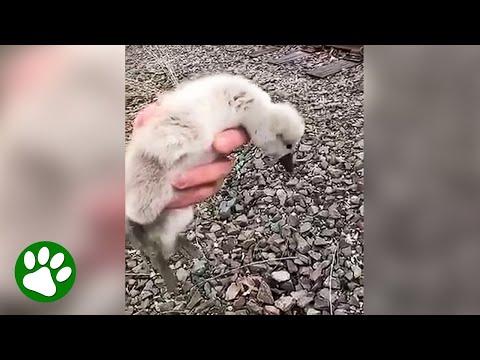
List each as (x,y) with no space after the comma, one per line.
(272,243)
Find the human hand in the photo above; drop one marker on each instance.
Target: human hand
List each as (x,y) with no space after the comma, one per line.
(201,182)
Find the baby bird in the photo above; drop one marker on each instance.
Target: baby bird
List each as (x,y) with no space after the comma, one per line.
(179,137)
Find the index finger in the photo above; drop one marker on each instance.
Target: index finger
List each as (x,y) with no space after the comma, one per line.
(229,140)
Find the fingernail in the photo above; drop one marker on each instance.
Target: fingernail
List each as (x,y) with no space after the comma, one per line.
(221,144)
(180,182)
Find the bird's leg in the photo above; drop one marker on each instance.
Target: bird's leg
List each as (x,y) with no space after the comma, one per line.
(161,265)
(187,247)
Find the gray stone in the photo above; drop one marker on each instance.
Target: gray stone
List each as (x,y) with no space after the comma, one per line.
(271,310)
(285,303)
(305,227)
(242,220)
(232,292)
(281,276)
(302,245)
(292,220)
(253,307)
(264,294)
(312,311)
(199,266)
(282,196)
(225,208)
(333,212)
(316,274)
(357,271)
(182,274)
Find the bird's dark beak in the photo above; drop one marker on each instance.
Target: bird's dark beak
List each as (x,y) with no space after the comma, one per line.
(287,162)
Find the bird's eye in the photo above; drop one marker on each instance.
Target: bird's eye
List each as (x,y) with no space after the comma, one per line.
(289,146)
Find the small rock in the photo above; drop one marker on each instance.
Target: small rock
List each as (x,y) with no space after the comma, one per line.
(232,229)
(299,209)
(304,148)
(292,182)
(225,208)
(208,288)
(333,212)
(199,266)
(292,220)
(241,220)
(304,301)
(321,303)
(359,145)
(357,271)
(276,238)
(253,307)
(298,294)
(355,200)
(315,255)
(324,293)
(335,172)
(215,228)
(145,294)
(282,196)
(354,301)
(229,244)
(320,242)
(287,286)
(247,243)
(194,300)
(302,245)
(347,251)
(247,197)
(148,286)
(312,311)
(182,274)
(291,267)
(281,276)
(258,268)
(305,270)
(164,307)
(285,303)
(265,293)
(340,312)
(324,213)
(305,227)
(276,227)
(349,275)
(239,303)
(358,292)
(269,192)
(271,310)
(316,274)
(259,164)
(312,210)
(302,260)
(327,232)
(137,268)
(232,292)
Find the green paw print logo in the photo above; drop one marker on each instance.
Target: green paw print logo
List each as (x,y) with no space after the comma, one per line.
(45,271)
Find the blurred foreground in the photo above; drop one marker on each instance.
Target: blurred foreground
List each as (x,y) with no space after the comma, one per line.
(422,175)
(61,170)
